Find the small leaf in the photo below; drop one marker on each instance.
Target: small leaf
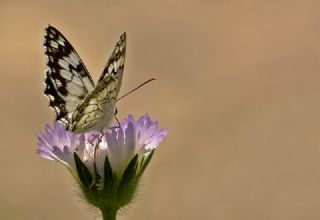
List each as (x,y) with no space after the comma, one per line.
(145,162)
(97,177)
(129,174)
(83,172)
(108,175)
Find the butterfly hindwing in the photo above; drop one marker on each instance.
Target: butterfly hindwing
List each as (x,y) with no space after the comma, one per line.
(77,102)
(98,108)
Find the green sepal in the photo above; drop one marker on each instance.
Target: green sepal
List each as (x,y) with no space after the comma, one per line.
(128,182)
(130,172)
(145,162)
(108,176)
(97,177)
(84,174)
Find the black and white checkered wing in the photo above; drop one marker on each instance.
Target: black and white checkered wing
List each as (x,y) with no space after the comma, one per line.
(115,65)
(67,79)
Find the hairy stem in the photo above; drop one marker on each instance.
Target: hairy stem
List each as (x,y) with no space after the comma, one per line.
(109,214)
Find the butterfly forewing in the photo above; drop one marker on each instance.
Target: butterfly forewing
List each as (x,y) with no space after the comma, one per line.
(115,64)
(67,79)
(77,102)
(98,108)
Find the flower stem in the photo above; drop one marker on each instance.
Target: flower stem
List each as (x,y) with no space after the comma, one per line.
(109,214)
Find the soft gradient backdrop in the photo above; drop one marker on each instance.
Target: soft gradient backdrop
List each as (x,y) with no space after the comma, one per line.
(238,86)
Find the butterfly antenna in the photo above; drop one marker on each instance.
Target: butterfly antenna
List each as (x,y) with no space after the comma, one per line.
(119,125)
(135,89)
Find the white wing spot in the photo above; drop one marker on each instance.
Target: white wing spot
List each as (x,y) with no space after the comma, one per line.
(110,68)
(54,44)
(115,64)
(61,41)
(51,97)
(58,83)
(64,120)
(63,64)
(66,75)
(74,89)
(121,61)
(74,58)
(57,109)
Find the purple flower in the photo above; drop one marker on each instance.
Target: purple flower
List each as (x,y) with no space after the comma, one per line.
(107,165)
(58,144)
(104,160)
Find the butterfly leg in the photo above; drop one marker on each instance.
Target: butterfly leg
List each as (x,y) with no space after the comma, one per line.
(97,177)
(117,121)
(115,113)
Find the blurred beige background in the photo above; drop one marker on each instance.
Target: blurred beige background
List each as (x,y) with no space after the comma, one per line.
(238,86)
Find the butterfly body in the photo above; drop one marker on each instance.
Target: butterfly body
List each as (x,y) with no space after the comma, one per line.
(78,103)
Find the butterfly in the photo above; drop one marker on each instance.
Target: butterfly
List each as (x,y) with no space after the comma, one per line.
(78,103)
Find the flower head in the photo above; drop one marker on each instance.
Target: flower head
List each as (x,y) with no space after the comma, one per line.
(106,165)
(139,137)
